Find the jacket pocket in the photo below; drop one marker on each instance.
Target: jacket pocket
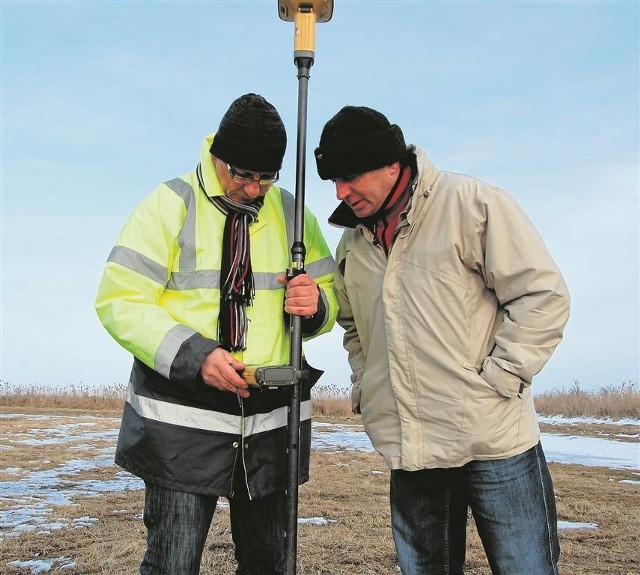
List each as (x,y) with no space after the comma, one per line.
(504,383)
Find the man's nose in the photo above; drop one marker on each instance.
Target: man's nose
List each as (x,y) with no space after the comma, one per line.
(253,189)
(342,190)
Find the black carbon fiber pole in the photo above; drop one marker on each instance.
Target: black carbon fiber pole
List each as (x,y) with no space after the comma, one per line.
(304,14)
(298,251)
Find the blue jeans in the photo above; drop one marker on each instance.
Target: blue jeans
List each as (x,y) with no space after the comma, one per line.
(513,505)
(177,525)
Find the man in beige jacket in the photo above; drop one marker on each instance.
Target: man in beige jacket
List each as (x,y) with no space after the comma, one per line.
(451,303)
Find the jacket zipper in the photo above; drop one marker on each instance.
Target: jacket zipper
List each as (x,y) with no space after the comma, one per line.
(410,225)
(374,239)
(240,453)
(242,447)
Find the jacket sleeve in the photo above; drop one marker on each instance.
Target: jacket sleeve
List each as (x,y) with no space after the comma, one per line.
(132,286)
(351,339)
(319,264)
(532,294)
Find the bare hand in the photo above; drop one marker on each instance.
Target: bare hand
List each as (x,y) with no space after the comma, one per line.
(220,370)
(301,295)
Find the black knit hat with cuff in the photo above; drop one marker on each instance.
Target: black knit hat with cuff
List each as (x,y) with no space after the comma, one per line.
(251,135)
(356,140)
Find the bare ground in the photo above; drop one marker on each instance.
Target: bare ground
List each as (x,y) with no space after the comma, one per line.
(348,489)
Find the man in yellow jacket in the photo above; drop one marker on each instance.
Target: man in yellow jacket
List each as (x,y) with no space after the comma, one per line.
(451,303)
(195,289)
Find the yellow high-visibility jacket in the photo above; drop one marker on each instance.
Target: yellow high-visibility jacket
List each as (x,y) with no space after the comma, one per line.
(159,298)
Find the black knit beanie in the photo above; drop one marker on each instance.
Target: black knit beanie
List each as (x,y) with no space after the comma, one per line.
(251,135)
(356,140)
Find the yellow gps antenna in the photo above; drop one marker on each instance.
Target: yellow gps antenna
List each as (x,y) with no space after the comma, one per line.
(304,14)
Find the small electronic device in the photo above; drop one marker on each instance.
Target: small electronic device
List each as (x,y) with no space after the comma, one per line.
(271,376)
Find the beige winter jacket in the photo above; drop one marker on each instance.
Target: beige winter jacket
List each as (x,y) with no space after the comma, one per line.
(444,337)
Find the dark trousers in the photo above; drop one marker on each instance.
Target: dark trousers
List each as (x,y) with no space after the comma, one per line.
(177,525)
(513,505)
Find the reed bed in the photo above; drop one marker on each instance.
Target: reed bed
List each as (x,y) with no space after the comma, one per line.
(609,402)
(329,400)
(73,397)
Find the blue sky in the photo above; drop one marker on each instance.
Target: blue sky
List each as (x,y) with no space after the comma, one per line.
(102,101)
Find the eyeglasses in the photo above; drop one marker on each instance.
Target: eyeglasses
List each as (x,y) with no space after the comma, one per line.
(247,178)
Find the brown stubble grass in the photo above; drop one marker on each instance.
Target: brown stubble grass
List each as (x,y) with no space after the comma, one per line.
(348,489)
(596,495)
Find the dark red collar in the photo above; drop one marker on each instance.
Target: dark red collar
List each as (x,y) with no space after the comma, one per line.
(384,222)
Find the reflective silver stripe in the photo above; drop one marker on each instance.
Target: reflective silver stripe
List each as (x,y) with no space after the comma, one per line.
(210,279)
(289,208)
(168,348)
(195,418)
(261,422)
(184,416)
(135,261)
(321,267)
(267,280)
(187,235)
(200,279)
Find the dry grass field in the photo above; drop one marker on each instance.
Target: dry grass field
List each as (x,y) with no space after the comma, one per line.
(614,402)
(348,490)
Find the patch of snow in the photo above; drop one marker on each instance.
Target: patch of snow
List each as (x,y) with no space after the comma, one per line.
(591,451)
(562,420)
(85,521)
(315,521)
(576,525)
(37,566)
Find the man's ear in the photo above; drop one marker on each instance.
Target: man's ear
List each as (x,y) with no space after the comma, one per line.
(394,169)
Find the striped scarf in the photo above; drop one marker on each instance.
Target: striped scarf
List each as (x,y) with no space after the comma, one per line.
(237,288)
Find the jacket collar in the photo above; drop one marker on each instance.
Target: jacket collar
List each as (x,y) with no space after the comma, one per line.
(211,183)
(427,172)
(343,217)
